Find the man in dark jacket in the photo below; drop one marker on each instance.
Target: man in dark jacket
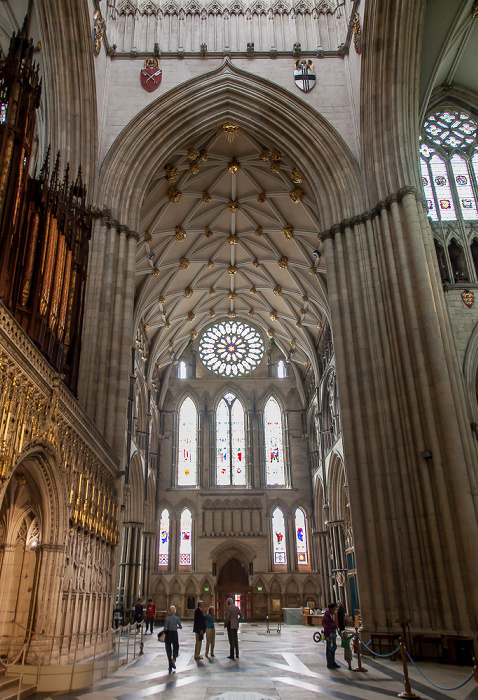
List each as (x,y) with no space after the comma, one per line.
(329,624)
(340,616)
(199,628)
(138,612)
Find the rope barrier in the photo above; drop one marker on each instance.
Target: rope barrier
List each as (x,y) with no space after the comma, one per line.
(12,663)
(440,687)
(374,653)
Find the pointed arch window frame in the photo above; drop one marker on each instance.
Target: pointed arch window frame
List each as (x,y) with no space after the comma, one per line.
(281,447)
(231,467)
(301,538)
(279,537)
(164,539)
(185,551)
(432,148)
(182,480)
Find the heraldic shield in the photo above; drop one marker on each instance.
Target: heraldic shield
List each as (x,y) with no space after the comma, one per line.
(304,75)
(151,74)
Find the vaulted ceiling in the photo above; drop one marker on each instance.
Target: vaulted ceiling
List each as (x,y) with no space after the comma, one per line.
(231,233)
(449,49)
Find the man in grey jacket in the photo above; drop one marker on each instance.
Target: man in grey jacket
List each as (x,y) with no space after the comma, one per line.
(231,622)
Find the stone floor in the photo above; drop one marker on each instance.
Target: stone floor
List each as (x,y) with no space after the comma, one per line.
(270,666)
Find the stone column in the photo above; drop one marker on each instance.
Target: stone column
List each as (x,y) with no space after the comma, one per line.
(401,397)
(47,605)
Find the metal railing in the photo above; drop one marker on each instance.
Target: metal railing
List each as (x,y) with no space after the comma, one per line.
(116,647)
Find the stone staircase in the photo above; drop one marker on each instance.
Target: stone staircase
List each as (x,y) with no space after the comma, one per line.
(10,686)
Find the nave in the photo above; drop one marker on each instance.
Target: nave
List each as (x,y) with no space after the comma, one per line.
(270,666)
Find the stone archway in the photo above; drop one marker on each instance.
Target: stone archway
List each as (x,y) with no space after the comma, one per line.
(29,550)
(233,582)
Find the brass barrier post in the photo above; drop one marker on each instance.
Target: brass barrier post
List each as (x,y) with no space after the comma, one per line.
(357,649)
(141,644)
(407,693)
(475,669)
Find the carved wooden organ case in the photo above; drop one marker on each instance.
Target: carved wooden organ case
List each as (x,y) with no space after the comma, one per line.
(44,224)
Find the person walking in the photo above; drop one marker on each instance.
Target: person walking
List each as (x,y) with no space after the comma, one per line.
(138,613)
(210,631)
(231,623)
(150,614)
(199,628)
(329,624)
(340,616)
(171,643)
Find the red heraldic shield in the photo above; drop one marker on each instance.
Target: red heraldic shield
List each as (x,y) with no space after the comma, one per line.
(151,74)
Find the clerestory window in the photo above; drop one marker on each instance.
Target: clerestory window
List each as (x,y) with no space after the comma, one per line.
(273,434)
(187,444)
(230,442)
(449,165)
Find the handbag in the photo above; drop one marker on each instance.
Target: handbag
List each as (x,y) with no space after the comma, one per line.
(162,636)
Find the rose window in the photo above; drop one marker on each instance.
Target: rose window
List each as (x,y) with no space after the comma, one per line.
(231,348)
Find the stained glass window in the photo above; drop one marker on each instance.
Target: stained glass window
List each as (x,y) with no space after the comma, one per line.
(466,197)
(278,537)
(230,442)
(275,466)
(448,150)
(164,538)
(301,537)
(231,348)
(185,537)
(281,369)
(187,444)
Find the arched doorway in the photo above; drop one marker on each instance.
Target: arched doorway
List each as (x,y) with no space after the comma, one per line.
(233,582)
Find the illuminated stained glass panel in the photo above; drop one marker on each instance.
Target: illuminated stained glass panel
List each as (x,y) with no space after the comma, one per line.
(451,129)
(238,444)
(428,190)
(275,466)
(466,197)
(301,537)
(230,442)
(223,459)
(449,133)
(164,538)
(278,537)
(187,444)
(475,165)
(185,544)
(231,348)
(446,206)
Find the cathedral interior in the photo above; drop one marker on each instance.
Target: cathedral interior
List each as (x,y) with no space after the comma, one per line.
(239,338)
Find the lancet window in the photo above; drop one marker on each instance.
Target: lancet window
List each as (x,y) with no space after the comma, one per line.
(230,442)
(273,434)
(164,538)
(187,444)
(301,537)
(185,538)
(279,538)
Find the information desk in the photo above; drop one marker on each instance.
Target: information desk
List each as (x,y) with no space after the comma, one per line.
(312,620)
(273,620)
(384,643)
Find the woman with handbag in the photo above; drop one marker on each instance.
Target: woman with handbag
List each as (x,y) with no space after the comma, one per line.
(171,641)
